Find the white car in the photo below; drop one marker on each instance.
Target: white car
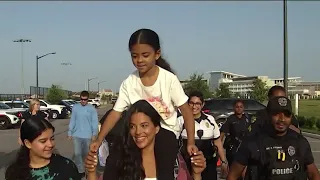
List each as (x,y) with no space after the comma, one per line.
(8,117)
(94,102)
(57,111)
(23,106)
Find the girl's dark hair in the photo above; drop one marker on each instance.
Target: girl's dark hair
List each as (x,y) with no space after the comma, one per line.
(129,166)
(30,130)
(148,36)
(196,94)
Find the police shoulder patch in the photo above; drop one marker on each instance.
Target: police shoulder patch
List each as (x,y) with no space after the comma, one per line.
(253,119)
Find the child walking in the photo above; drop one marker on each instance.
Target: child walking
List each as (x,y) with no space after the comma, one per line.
(155,82)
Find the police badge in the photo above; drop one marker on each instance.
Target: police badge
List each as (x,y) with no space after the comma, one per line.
(253,119)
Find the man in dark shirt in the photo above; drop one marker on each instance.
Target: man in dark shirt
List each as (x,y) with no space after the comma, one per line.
(278,153)
(262,118)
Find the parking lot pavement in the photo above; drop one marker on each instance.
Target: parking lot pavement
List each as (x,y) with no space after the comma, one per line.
(9,145)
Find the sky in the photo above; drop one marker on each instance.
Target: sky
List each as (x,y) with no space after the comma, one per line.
(196,37)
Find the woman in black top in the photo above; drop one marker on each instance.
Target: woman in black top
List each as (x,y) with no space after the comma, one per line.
(34,110)
(35,159)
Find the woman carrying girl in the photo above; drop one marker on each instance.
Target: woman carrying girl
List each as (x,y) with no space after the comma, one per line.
(134,157)
(155,82)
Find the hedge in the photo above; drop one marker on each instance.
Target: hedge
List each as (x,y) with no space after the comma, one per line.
(309,122)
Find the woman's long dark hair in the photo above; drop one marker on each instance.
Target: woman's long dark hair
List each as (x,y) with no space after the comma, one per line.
(130,165)
(30,130)
(148,36)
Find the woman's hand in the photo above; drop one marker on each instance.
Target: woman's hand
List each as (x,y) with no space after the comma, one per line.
(198,162)
(91,162)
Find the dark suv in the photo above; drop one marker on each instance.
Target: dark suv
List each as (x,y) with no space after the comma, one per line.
(221,109)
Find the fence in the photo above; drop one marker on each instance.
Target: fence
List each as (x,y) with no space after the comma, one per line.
(43,91)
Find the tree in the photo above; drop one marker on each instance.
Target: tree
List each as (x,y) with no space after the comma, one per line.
(237,95)
(56,94)
(259,90)
(197,83)
(104,98)
(223,91)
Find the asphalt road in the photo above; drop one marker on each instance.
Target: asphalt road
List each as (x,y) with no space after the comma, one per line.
(9,144)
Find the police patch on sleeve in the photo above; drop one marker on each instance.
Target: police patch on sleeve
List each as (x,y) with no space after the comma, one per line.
(253,119)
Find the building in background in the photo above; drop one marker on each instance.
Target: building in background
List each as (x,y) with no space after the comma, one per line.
(242,84)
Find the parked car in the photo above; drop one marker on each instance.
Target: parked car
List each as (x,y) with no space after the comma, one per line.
(57,111)
(9,117)
(94,102)
(221,109)
(23,106)
(68,103)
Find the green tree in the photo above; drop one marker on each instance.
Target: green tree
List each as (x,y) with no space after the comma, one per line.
(56,94)
(197,83)
(259,90)
(237,95)
(104,98)
(223,91)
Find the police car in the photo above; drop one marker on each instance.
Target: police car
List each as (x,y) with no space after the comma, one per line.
(8,117)
(222,108)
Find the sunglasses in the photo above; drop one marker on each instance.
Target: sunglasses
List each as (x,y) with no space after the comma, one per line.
(84,99)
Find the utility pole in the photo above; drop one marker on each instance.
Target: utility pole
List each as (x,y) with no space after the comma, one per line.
(99,85)
(21,41)
(37,71)
(89,82)
(285,47)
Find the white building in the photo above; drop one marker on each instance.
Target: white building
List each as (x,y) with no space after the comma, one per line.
(242,84)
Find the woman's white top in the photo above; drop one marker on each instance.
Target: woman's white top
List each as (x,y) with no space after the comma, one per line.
(150,179)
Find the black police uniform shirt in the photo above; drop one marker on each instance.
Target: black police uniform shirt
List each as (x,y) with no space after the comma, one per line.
(277,157)
(262,118)
(235,126)
(59,168)
(39,115)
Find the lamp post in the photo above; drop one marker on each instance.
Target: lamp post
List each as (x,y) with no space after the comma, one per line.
(285,48)
(89,82)
(37,71)
(99,85)
(22,41)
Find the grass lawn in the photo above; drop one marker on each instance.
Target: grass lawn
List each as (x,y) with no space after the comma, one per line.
(308,108)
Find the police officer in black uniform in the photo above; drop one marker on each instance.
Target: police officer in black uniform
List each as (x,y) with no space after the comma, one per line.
(261,119)
(235,129)
(278,153)
(207,138)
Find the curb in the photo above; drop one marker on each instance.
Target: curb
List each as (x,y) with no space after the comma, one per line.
(315,136)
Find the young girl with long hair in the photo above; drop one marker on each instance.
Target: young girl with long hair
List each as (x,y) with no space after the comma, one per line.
(35,158)
(155,82)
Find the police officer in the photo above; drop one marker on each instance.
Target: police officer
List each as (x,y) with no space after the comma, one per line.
(278,153)
(207,137)
(262,118)
(236,128)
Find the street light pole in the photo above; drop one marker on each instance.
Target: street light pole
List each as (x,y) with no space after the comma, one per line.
(285,48)
(89,82)
(99,85)
(21,41)
(37,71)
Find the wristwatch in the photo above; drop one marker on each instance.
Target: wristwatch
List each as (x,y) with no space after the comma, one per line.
(224,162)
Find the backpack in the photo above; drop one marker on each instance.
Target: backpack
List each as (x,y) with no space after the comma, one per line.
(279,159)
